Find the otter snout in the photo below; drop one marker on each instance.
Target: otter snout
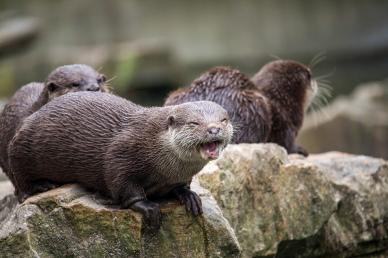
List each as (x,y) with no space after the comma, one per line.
(92,87)
(213,130)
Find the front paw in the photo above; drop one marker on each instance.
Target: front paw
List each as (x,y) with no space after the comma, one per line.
(22,196)
(43,186)
(150,212)
(190,199)
(299,150)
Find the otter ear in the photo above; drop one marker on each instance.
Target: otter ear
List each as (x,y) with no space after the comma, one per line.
(171,121)
(52,86)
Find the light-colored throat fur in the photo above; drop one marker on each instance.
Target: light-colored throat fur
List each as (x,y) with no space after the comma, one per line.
(177,164)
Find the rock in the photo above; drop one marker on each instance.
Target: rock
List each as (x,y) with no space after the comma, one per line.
(3,177)
(6,188)
(356,124)
(327,205)
(70,222)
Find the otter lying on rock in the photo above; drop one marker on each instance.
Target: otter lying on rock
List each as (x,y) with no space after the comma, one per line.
(111,145)
(31,97)
(268,108)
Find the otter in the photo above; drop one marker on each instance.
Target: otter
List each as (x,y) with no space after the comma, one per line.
(130,153)
(31,97)
(269,107)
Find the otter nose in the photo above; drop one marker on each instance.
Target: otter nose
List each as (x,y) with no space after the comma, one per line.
(93,87)
(213,130)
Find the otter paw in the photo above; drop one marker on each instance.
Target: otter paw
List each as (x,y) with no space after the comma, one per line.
(150,211)
(190,199)
(22,196)
(43,186)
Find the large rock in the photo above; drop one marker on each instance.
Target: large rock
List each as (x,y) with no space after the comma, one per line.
(328,205)
(356,124)
(69,222)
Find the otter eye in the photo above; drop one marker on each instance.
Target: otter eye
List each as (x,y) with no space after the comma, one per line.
(224,121)
(75,84)
(193,123)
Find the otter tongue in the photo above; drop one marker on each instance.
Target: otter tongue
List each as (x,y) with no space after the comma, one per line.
(211,149)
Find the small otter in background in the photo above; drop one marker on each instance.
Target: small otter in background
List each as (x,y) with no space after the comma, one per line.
(288,86)
(268,108)
(127,152)
(31,97)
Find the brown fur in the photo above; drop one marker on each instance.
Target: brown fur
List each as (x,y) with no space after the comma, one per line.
(268,108)
(31,97)
(249,111)
(287,85)
(111,145)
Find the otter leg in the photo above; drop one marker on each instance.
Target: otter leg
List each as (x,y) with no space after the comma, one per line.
(189,198)
(132,196)
(17,166)
(150,211)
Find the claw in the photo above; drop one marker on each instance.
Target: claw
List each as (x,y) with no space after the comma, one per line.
(150,211)
(192,201)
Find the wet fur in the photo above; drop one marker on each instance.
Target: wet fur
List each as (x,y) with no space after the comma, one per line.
(249,111)
(108,144)
(33,96)
(267,108)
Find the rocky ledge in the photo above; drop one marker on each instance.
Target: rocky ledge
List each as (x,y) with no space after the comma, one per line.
(327,205)
(69,222)
(259,198)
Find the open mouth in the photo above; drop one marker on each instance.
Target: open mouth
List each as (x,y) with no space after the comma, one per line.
(210,150)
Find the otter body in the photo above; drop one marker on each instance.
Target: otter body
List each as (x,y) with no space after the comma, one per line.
(118,148)
(267,108)
(31,97)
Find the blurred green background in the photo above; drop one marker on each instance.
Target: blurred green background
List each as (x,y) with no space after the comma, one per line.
(151,47)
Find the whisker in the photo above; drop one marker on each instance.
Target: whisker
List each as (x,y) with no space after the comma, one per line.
(275,57)
(111,79)
(317,59)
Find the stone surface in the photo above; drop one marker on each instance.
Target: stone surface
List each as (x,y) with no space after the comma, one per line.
(69,222)
(355,124)
(327,205)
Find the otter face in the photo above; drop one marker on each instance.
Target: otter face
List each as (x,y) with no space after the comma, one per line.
(199,130)
(73,78)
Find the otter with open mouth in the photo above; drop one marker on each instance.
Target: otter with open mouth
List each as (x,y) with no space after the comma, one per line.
(127,152)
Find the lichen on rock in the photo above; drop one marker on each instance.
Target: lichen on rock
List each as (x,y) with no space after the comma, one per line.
(70,222)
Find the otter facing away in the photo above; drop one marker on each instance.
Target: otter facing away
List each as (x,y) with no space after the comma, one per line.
(123,150)
(31,97)
(267,108)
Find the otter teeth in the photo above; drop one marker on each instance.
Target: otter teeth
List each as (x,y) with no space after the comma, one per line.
(210,150)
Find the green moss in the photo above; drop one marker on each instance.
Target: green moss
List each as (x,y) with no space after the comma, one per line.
(8,244)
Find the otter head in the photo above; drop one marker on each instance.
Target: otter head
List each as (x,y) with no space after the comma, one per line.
(198,130)
(287,80)
(73,78)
